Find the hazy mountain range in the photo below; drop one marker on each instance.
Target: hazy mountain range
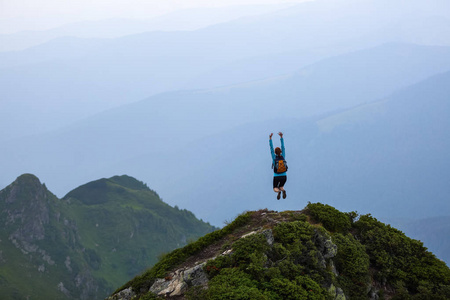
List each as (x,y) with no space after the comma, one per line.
(161,125)
(74,78)
(185,20)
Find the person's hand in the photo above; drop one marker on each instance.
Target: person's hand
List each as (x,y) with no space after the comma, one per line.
(280,134)
(270,136)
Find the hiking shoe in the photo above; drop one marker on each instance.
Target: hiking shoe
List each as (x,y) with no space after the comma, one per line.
(279,195)
(284,194)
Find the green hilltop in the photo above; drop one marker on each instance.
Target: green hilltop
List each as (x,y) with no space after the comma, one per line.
(88,243)
(316,253)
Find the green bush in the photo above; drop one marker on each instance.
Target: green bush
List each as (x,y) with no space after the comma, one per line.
(352,262)
(332,219)
(298,239)
(302,287)
(233,283)
(255,244)
(292,232)
(403,262)
(289,269)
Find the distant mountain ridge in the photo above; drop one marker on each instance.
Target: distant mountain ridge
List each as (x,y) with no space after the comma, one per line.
(91,76)
(173,119)
(381,147)
(182,20)
(84,245)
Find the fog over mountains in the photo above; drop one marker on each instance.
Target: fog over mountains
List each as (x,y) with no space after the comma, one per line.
(74,77)
(186,20)
(360,89)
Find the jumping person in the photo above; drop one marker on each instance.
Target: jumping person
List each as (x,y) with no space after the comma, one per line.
(279,166)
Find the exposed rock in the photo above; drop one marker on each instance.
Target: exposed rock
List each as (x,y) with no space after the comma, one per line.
(47,258)
(126,294)
(31,217)
(337,293)
(373,293)
(67,263)
(340,294)
(228,252)
(62,289)
(269,236)
(196,276)
(325,245)
(159,285)
(333,268)
(179,281)
(12,196)
(248,234)
(327,249)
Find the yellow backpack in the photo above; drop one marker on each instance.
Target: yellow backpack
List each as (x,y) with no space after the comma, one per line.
(280,165)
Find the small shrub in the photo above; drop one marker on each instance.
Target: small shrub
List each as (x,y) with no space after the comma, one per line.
(332,219)
(291,232)
(233,283)
(254,244)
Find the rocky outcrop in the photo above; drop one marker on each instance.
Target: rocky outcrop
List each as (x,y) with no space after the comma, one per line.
(173,285)
(27,213)
(126,294)
(337,293)
(327,249)
(178,282)
(30,216)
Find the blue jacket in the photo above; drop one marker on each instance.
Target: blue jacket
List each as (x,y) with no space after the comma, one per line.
(283,153)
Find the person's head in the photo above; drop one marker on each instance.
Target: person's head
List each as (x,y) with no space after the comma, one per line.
(277,151)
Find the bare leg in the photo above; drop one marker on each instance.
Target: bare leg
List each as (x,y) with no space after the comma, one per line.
(277,190)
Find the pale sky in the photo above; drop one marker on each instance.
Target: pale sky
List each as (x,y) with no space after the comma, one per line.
(45,14)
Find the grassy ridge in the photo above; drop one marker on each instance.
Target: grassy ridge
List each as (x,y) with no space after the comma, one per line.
(94,239)
(128,226)
(371,259)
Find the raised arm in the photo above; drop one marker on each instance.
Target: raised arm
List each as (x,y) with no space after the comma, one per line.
(283,151)
(272,152)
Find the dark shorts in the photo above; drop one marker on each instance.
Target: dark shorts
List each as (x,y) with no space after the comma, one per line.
(279,181)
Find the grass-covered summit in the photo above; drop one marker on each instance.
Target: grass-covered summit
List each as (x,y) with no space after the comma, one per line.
(131,222)
(316,253)
(88,243)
